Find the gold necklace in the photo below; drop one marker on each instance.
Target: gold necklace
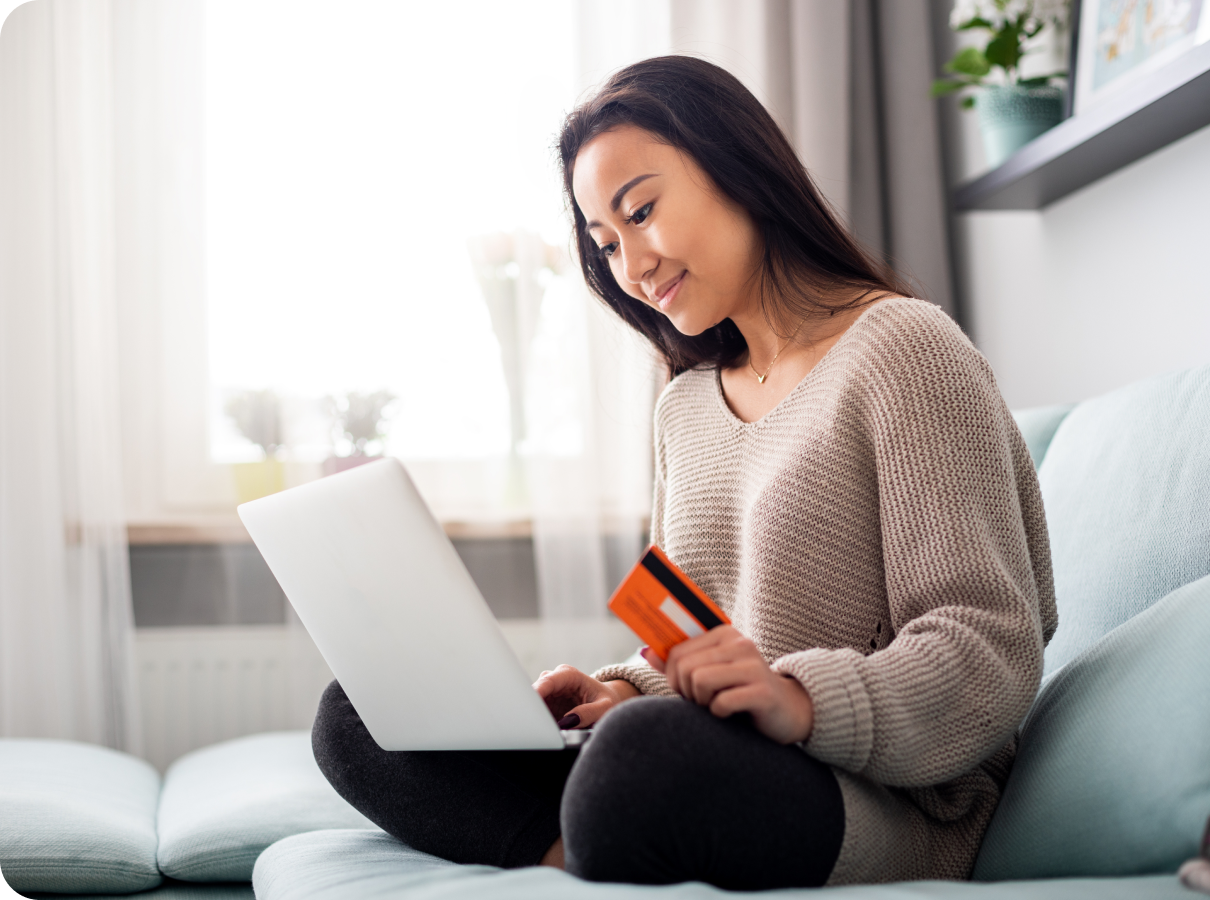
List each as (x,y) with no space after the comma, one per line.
(760,379)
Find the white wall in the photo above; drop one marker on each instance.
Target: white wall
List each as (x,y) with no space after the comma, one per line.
(1104,287)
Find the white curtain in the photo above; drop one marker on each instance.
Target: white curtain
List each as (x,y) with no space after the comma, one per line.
(589,390)
(66,626)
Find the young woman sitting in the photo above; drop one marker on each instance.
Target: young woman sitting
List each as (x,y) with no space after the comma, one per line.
(836,468)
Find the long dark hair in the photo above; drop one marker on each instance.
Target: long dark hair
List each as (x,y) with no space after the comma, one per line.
(705,112)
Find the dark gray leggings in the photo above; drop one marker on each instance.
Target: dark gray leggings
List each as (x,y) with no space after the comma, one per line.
(664,792)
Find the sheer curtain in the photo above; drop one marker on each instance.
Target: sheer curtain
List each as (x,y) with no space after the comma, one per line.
(590,386)
(66,626)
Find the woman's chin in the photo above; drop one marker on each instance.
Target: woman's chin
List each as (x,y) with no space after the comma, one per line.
(687,323)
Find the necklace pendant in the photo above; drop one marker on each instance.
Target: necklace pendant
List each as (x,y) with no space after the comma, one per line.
(760,379)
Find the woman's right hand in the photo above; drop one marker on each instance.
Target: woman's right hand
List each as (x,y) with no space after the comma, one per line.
(577,700)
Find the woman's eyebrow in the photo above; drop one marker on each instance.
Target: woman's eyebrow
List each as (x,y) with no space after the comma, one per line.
(618,195)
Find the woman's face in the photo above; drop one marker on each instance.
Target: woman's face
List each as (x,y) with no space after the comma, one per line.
(671,238)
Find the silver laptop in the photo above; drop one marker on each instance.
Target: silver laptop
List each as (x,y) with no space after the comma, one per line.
(395,614)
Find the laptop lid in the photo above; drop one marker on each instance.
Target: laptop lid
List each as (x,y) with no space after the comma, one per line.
(394,612)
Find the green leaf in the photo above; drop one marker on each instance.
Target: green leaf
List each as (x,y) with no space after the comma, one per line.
(968,102)
(943,86)
(970,61)
(975,23)
(1004,49)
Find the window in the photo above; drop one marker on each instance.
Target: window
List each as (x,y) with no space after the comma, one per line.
(383,214)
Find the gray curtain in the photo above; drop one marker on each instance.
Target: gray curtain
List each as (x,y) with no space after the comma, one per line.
(848,80)
(898,199)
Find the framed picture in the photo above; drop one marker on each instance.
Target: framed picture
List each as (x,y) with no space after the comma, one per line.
(1119,41)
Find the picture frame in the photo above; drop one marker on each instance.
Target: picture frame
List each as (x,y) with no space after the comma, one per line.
(1117,42)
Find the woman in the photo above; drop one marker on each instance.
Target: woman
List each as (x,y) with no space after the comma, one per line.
(835,467)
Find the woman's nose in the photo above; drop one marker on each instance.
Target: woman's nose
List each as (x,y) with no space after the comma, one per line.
(637,261)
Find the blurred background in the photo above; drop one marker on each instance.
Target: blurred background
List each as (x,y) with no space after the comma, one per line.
(245,244)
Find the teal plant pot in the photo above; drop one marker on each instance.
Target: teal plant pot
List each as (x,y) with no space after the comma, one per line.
(1011,116)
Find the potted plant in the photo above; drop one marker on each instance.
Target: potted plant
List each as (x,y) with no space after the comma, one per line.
(357,418)
(1012,110)
(257,415)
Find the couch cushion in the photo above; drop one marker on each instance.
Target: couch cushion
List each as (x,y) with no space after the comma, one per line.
(222,805)
(1126,484)
(76,818)
(1113,772)
(354,865)
(1038,426)
(169,890)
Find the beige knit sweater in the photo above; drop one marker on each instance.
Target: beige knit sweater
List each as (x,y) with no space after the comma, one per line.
(880,536)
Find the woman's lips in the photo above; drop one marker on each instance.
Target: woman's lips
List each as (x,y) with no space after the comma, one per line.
(665,298)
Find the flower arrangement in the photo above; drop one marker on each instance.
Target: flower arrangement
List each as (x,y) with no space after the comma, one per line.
(257,415)
(1010,26)
(359,418)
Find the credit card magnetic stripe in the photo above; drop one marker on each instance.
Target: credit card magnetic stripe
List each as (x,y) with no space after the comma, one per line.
(680,591)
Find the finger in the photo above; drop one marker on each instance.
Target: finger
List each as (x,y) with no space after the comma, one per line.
(674,669)
(652,658)
(562,681)
(749,698)
(708,639)
(732,652)
(546,685)
(729,652)
(562,674)
(590,713)
(724,639)
(704,682)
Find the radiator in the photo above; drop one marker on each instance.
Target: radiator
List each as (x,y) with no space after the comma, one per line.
(199,686)
(203,685)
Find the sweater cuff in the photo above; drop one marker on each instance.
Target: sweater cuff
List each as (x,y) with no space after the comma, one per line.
(843,733)
(641,675)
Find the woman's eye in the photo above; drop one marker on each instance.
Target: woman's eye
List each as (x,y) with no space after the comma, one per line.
(640,215)
(606,250)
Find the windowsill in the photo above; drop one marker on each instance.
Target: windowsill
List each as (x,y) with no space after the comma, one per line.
(230,530)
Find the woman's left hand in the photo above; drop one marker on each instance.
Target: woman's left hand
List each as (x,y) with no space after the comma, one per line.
(724,671)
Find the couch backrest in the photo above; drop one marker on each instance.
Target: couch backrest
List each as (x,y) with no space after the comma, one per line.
(1126,485)
(1038,426)
(1111,773)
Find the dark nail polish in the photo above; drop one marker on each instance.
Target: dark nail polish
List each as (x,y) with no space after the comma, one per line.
(571,720)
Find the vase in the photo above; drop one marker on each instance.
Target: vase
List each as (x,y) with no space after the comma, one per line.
(258,479)
(334,464)
(1010,116)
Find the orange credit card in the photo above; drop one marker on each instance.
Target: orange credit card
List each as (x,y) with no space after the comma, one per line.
(662,605)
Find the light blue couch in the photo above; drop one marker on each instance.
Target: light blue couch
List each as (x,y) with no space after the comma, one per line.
(1108,796)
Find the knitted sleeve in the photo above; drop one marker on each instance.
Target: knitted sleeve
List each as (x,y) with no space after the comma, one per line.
(640,674)
(955,487)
